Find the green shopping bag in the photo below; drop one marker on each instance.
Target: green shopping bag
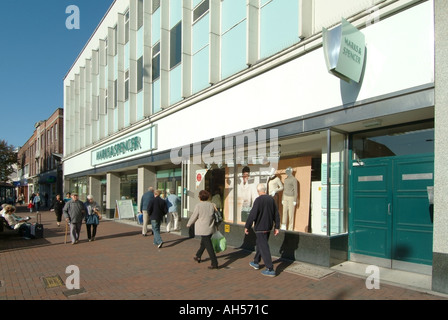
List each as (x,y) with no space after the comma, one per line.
(219,242)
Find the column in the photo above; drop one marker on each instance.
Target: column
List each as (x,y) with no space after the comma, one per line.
(440,245)
(112,193)
(146,178)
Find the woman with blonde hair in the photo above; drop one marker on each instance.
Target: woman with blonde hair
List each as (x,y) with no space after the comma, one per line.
(21,224)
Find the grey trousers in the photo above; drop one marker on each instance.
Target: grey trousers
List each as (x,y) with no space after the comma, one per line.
(75,231)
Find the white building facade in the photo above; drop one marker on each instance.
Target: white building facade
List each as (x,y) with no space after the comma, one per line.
(223,95)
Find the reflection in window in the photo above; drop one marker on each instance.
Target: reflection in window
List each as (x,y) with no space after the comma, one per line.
(397,141)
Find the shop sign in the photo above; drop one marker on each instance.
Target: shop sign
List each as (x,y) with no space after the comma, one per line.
(128,146)
(345,51)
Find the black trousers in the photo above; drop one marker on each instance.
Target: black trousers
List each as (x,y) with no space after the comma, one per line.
(263,251)
(206,243)
(91,233)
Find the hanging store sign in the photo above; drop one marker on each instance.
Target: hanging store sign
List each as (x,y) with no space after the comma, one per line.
(128,146)
(345,51)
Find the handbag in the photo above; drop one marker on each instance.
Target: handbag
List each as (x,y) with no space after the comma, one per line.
(219,242)
(217,216)
(92,219)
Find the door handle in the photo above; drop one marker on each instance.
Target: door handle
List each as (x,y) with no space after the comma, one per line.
(389,206)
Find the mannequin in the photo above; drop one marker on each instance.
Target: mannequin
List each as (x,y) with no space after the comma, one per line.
(289,200)
(274,184)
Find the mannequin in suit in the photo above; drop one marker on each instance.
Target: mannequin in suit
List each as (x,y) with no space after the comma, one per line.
(289,200)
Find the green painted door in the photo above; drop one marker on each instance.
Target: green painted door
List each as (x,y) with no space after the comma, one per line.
(389,216)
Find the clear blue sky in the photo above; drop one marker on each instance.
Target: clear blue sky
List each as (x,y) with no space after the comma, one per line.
(36,52)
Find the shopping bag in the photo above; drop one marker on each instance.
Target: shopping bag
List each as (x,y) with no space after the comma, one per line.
(219,242)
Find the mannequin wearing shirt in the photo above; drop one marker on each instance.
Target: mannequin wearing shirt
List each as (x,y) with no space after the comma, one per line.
(274,184)
(289,200)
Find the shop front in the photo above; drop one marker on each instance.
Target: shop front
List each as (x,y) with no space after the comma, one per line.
(305,174)
(392,180)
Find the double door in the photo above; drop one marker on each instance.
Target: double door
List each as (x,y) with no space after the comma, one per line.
(390,215)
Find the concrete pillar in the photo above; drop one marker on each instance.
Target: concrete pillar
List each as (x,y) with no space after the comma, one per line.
(95,189)
(146,178)
(440,243)
(112,193)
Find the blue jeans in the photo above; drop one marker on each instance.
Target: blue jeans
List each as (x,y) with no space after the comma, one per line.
(156,230)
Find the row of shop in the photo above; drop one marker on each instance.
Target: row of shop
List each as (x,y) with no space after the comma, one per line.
(355,159)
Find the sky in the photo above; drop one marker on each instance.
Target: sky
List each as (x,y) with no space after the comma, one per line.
(36,52)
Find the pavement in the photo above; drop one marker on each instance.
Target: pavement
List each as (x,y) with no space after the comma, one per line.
(121,264)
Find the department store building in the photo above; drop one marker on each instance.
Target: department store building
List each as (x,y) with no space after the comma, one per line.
(223,95)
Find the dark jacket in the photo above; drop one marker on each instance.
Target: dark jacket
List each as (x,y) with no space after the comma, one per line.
(157,208)
(264,214)
(58,205)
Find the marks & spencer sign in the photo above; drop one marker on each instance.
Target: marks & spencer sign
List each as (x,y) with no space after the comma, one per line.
(345,51)
(125,147)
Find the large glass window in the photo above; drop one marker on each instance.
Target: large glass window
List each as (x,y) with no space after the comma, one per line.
(306,178)
(397,141)
(128,187)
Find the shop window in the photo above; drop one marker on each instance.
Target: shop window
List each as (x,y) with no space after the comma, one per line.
(396,141)
(129,187)
(298,182)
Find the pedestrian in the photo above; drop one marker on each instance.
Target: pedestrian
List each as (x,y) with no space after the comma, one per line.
(157,209)
(173,217)
(92,217)
(144,202)
(36,202)
(264,214)
(31,204)
(68,197)
(204,226)
(57,206)
(74,212)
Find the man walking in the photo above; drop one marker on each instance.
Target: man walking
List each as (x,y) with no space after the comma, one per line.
(74,212)
(157,208)
(144,202)
(264,214)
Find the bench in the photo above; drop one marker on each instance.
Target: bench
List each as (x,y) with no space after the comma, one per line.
(4,225)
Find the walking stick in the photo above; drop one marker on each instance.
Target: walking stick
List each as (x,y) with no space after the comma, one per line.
(66,230)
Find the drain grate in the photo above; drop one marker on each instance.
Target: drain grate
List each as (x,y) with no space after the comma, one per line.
(53,282)
(310,271)
(73,292)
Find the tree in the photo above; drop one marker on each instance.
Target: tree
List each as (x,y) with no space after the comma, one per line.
(7,159)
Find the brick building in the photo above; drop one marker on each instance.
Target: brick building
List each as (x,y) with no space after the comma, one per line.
(39,168)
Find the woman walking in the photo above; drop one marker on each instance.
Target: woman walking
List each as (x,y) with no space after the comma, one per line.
(92,217)
(204,224)
(57,206)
